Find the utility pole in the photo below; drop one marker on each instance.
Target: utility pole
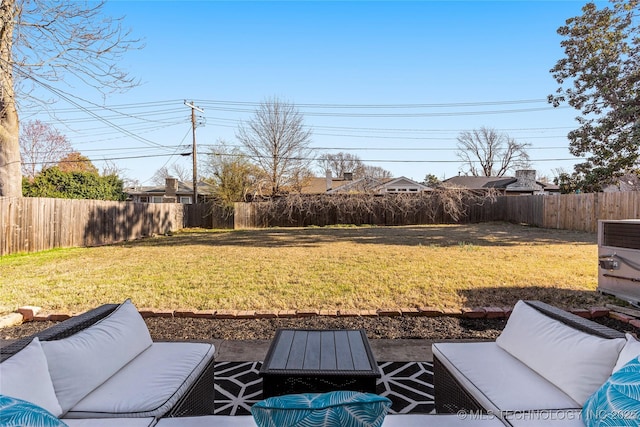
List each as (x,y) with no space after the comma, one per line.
(193,149)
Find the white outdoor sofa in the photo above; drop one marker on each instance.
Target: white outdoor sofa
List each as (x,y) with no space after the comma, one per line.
(539,372)
(102,365)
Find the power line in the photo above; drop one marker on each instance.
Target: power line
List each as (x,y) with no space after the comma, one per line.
(166,113)
(390,106)
(108,159)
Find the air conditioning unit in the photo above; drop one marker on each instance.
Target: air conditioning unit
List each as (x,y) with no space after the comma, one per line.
(619,259)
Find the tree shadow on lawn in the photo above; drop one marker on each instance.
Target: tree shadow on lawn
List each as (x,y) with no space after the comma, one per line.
(561,298)
(486,234)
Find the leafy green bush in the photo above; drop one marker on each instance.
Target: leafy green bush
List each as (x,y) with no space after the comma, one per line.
(53,182)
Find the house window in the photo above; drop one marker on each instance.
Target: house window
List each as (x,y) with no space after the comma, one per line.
(144,199)
(185,200)
(156,199)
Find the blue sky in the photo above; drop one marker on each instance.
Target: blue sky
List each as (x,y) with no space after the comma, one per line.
(392,82)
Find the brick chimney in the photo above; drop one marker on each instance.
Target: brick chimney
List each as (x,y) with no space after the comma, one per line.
(525,182)
(526,178)
(329,180)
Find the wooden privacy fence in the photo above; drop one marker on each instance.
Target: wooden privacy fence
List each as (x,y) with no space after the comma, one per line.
(207,215)
(357,209)
(579,212)
(34,224)
(258,215)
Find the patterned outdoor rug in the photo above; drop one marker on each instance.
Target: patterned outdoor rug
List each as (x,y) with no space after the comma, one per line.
(409,385)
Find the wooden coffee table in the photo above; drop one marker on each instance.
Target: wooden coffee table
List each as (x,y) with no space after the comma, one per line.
(318,361)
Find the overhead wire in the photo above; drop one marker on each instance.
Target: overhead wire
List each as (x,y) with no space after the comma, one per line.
(70,99)
(163,108)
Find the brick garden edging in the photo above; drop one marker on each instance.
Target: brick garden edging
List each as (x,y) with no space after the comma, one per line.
(31,313)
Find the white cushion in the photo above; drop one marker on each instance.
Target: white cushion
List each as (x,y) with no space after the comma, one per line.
(149,385)
(630,351)
(406,420)
(576,362)
(85,360)
(567,418)
(208,421)
(25,376)
(497,380)
(458,420)
(110,422)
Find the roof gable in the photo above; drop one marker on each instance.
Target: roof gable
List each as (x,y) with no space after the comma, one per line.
(405,182)
(480,182)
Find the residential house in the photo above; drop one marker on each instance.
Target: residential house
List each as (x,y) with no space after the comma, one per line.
(173,191)
(403,185)
(627,182)
(346,184)
(523,183)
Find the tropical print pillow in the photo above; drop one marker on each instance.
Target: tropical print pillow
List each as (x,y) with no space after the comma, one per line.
(334,409)
(617,402)
(20,413)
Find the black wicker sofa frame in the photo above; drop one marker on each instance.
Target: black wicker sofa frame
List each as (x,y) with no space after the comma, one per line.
(198,400)
(451,397)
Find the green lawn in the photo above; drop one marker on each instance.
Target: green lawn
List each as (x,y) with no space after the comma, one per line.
(443,266)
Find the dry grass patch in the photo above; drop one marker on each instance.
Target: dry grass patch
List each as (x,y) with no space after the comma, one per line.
(445,266)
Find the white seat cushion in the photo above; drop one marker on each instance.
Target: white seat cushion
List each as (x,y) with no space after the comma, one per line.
(208,421)
(546,418)
(458,420)
(150,384)
(499,381)
(110,422)
(418,420)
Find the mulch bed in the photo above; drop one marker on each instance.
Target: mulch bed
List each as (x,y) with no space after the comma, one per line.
(400,327)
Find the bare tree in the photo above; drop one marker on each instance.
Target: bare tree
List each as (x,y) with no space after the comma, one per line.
(376,172)
(340,163)
(176,171)
(111,168)
(181,172)
(43,42)
(278,142)
(487,152)
(41,146)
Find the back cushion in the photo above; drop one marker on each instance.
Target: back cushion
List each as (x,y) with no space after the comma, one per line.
(630,351)
(80,363)
(576,362)
(26,376)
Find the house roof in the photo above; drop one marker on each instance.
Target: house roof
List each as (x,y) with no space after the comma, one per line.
(627,182)
(158,190)
(404,181)
(506,183)
(317,185)
(480,182)
(360,185)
